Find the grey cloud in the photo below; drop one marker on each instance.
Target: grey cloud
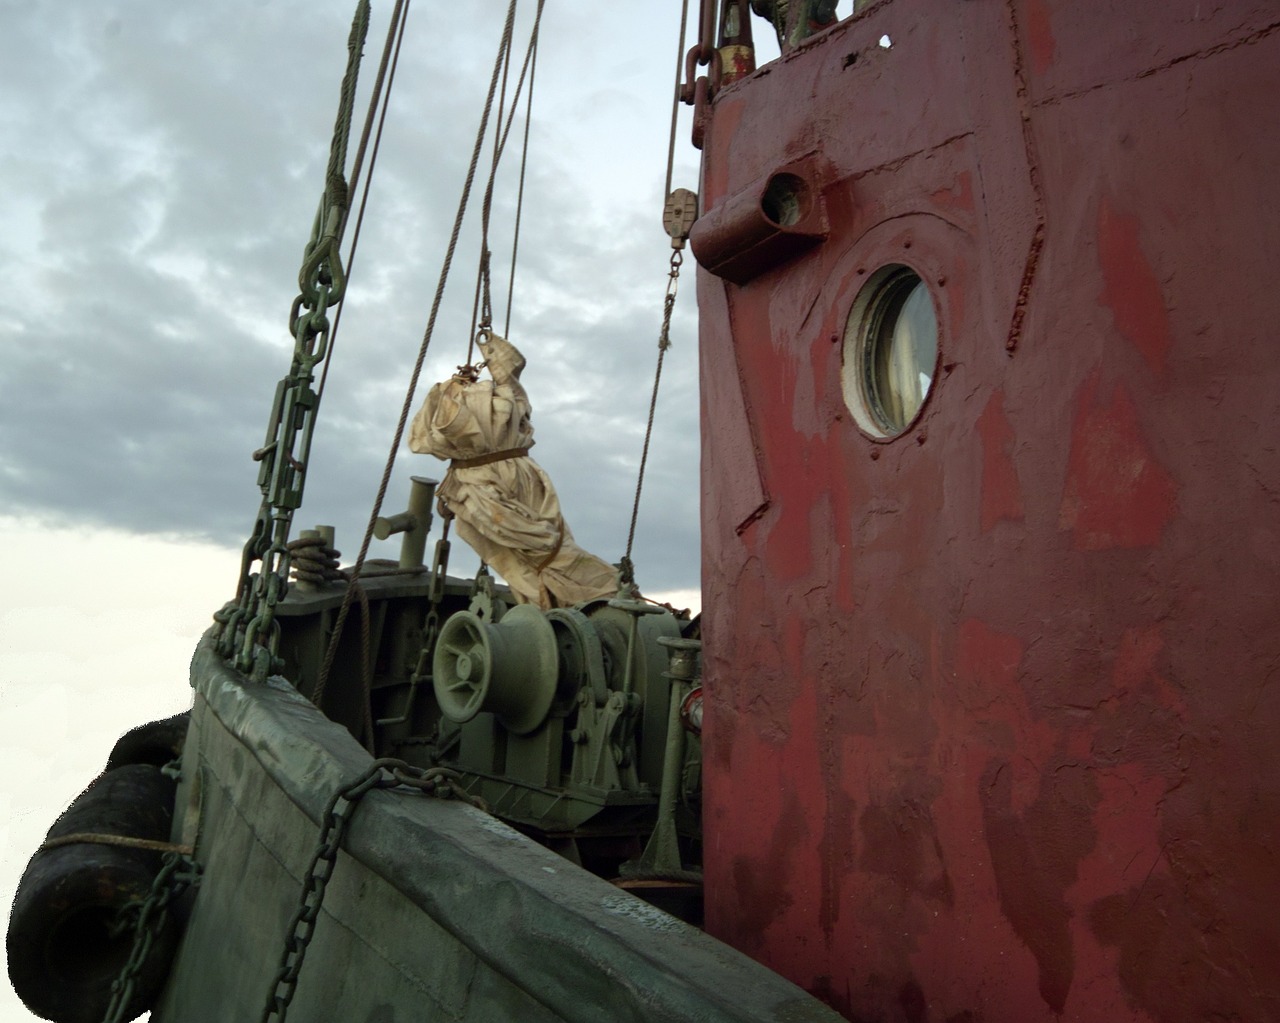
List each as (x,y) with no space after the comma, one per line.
(163,168)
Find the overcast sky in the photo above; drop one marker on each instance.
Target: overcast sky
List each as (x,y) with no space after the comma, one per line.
(160,166)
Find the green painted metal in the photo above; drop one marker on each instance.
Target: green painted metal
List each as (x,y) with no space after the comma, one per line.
(434,910)
(248,627)
(662,852)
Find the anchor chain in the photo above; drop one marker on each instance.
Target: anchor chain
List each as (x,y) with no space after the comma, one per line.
(178,872)
(381,774)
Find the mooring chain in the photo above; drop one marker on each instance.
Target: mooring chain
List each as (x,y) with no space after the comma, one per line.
(284,454)
(178,872)
(381,774)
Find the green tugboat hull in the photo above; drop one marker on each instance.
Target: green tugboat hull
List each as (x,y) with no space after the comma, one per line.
(435,909)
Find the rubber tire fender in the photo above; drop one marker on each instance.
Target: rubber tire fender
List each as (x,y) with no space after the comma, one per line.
(157,742)
(62,955)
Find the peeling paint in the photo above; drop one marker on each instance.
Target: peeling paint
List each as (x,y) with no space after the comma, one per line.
(1131,289)
(1116,494)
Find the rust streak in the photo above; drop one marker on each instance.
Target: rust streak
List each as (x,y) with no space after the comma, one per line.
(1033,173)
(897,164)
(1212,51)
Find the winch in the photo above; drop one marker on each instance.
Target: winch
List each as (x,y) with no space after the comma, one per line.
(560,717)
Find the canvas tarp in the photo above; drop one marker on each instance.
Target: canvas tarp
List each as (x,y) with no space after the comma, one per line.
(506,510)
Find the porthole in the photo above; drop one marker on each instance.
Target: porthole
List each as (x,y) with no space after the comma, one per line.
(890,351)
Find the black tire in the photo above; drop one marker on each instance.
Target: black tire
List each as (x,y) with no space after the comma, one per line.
(157,743)
(62,955)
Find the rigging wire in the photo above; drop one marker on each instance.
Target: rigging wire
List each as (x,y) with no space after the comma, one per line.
(482,301)
(675,98)
(524,160)
(399,18)
(332,649)
(482,307)
(668,304)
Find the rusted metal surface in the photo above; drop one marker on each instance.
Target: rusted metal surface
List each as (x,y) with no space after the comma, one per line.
(990,705)
(770,221)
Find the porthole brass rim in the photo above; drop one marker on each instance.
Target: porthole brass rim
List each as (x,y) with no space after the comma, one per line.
(884,294)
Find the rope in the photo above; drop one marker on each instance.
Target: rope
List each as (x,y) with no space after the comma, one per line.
(483,278)
(128,842)
(331,652)
(489,459)
(366,665)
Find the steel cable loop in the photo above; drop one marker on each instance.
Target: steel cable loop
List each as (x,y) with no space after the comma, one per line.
(483,300)
(347,95)
(532,61)
(323,251)
(399,18)
(395,31)
(344,610)
(482,303)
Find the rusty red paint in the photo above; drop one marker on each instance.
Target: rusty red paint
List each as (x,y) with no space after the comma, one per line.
(1040,35)
(1001,491)
(991,716)
(1117,494)
(1130,287)
(1035,855)
(986,662)
(957,199)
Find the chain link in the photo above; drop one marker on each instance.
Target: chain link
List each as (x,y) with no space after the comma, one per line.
(381,774)
(177,873)
(321,284)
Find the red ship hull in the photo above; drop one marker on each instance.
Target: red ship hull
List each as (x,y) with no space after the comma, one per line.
(992,705)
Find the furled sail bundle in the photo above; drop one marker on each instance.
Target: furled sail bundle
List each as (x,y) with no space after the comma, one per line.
(504,503)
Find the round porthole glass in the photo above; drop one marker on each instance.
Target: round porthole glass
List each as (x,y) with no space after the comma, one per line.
(890,351)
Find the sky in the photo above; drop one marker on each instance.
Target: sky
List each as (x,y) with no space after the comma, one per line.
(160,166)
